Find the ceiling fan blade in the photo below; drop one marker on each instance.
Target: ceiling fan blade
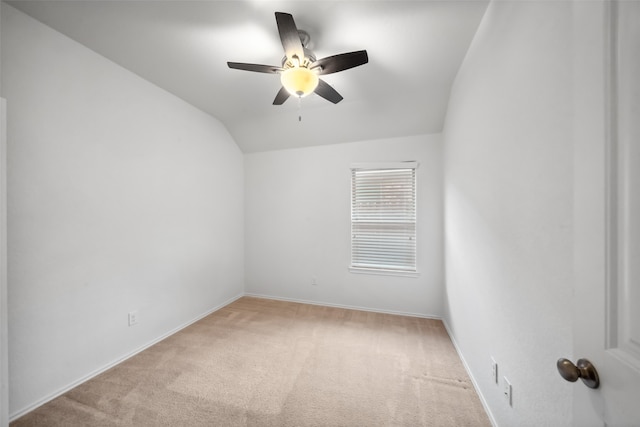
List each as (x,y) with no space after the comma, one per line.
(258,68)
(327,92)
(289,36)
(282,96)
(340,62)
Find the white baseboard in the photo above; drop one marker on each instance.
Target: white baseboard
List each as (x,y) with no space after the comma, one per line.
(473,380)
(350,307)
(110,365)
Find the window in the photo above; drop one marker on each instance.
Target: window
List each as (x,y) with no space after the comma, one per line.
(383,218)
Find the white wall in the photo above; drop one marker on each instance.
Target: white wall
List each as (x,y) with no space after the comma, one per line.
(121,197)
(4,328)
(4,317)
(508,203)
(297,226)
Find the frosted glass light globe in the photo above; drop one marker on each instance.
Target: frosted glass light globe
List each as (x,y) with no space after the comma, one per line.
(299,81)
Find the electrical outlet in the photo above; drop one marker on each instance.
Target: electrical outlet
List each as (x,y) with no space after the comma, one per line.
(494,370)
(508,390)
(314,281)
(133,318)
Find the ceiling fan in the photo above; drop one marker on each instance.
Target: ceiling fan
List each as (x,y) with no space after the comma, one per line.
(300,68)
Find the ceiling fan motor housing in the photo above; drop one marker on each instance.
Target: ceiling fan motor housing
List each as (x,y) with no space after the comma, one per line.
(309,56)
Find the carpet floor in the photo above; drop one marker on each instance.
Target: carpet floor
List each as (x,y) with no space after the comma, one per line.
(259,362)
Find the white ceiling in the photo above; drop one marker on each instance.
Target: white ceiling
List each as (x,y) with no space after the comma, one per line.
(415,49)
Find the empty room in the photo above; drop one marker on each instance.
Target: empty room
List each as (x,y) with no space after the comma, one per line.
(320,213)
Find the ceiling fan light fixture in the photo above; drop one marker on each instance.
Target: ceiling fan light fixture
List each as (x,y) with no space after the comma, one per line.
(299,81)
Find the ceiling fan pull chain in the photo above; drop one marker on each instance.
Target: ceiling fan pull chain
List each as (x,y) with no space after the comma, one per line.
(299,108)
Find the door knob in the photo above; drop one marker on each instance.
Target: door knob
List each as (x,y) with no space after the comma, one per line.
(584,370)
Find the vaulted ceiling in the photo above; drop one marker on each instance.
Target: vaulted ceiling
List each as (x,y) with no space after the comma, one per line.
(415,49)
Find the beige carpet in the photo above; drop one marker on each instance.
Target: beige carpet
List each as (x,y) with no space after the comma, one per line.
(260,362)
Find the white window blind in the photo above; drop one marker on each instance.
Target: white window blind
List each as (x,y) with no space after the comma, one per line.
(383,219)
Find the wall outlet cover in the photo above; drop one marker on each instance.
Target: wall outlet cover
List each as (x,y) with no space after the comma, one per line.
(494,370)
(508,391)
(133,318)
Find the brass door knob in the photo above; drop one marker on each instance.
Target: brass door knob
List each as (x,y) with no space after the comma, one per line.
(584,370)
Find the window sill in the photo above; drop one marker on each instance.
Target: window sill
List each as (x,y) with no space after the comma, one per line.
(380,272)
